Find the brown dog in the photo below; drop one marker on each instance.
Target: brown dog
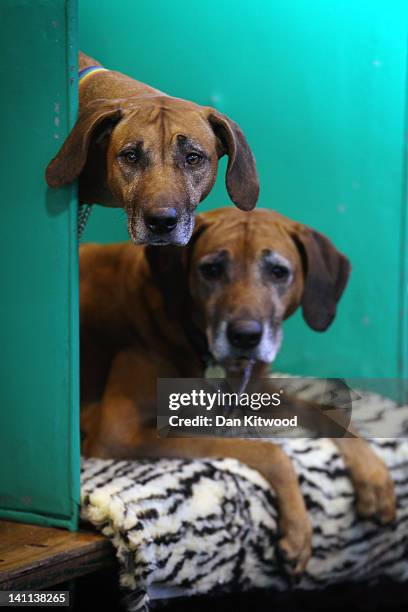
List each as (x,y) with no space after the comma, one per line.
(149,313)
(154,155)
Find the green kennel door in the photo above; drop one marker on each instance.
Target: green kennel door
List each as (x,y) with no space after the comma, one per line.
(39,433)
(320,90)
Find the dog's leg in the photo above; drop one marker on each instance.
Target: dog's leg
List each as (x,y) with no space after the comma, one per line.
(268,459)
(370,476)
(114,427)
(121,432)
(371,479)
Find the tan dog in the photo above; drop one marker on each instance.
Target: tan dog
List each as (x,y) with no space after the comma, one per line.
(154,155)
(148,313)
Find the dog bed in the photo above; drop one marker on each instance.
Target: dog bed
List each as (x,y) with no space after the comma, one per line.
(184,527)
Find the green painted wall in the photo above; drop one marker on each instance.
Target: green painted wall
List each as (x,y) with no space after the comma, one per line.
(39,434)
(320,89)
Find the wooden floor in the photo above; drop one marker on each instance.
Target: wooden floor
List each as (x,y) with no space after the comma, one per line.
(33,557)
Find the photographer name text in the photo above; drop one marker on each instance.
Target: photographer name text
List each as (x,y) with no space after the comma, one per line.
(222,421)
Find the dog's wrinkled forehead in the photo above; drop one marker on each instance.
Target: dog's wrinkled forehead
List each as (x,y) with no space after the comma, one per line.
(154,121)
(245,236)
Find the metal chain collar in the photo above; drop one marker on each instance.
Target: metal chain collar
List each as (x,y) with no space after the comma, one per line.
(84,210)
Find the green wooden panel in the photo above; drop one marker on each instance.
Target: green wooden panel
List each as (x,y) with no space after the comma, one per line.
(320,89)
(39,433)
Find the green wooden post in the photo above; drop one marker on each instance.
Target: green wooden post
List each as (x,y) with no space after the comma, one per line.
(39,431)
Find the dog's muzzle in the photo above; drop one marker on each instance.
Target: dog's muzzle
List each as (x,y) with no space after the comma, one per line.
(244,334)
(162,222)
(245,339)
(162,226)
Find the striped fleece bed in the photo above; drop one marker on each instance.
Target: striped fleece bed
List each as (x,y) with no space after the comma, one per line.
(184,527)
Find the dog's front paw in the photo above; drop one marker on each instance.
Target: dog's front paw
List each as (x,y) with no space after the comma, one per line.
(374,490)
(295,545)
(372,481)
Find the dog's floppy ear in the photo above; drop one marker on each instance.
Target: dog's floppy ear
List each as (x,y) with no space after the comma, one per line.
(241,178)
(71,158)
(326,275)
(169,267)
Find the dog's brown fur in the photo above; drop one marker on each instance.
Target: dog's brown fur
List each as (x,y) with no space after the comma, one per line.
(131,147)
(144,312)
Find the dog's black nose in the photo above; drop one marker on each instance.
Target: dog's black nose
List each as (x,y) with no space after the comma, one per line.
(244,334)
(162,221)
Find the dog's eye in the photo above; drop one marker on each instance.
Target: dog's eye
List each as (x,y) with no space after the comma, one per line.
(193,159)
(277,271)
(211,271)
(131,157)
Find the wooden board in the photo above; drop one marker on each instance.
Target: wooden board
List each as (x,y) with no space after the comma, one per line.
(33,557)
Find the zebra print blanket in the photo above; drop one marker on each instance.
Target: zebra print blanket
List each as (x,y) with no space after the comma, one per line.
(209,526)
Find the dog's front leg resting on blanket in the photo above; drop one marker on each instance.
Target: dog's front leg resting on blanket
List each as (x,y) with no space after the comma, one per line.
(371,479)
(117,429)
(373,485)
(294,546)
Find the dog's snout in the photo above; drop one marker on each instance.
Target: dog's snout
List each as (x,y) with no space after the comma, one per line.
(161,221)
(244,334)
